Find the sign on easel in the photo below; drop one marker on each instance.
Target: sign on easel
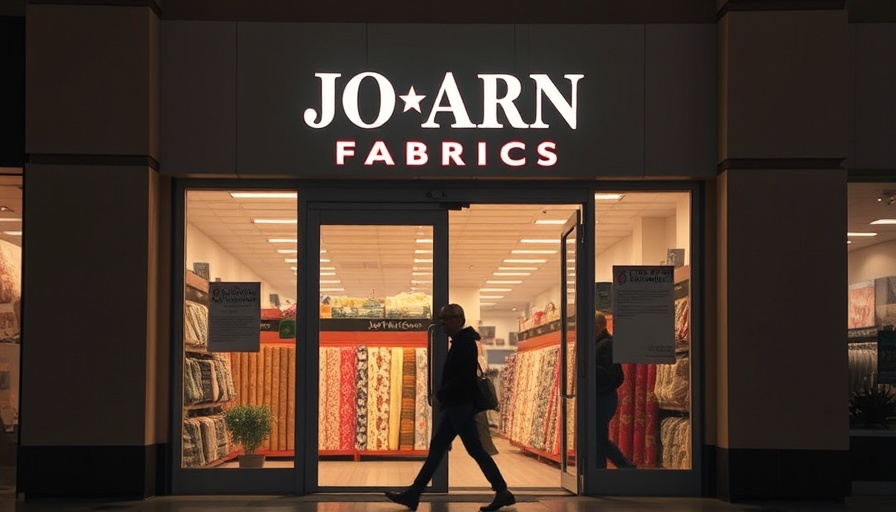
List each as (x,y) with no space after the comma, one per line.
(643,314)
(234,316)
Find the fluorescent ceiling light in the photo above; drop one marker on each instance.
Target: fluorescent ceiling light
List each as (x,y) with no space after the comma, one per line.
(422,251)
(608,196)
(328,268)
(553,222)
(491,297)
(539,240)
(419,260)
(327,273)
(533,251)
(423,268)
(6,219)
(421,273)
(291,260)
(324,260)
(495,289)
(493,281)
(13,233)
(424,240)
(878,221)
(857,234)
(330,281)
(524,261)
(414,281)
(287,251)
(264,195)
(517,268)
(486,303)
(293,268)
(283,240)
(323,251)
(509,274)
(276,221)
(332,289)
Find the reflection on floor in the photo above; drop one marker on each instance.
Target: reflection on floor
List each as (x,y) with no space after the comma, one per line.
(520,470)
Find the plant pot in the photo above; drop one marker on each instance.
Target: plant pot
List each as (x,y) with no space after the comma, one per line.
(252,460)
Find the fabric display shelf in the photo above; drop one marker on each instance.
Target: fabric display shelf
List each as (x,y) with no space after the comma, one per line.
(651,426)
(530,400)
(207,384)
(373,394)
(268,377)
(862,365)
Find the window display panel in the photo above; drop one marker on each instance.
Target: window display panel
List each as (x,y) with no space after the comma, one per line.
(871,301)
(239,404)
(652,423)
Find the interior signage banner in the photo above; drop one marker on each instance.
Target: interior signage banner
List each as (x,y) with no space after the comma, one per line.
(234,317)
(643,314)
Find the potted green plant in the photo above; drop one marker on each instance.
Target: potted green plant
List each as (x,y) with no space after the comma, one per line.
(249,426)
(872,406)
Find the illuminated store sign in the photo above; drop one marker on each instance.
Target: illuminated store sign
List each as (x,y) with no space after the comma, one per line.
(502,93)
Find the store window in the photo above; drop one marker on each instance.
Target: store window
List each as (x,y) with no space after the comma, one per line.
(871,318)
(10,315)
(239,374)
(652,423)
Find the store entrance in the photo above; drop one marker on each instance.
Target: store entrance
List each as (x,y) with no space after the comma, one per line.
(383,274)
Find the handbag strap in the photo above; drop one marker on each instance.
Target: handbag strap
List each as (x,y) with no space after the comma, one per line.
(481,372)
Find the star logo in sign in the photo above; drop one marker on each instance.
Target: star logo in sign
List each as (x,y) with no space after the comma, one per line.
(412,100)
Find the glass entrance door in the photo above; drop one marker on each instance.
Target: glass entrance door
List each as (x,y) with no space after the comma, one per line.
(381,278)
(569,249)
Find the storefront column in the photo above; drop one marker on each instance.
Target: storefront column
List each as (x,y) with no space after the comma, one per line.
(94,368)
(779,419)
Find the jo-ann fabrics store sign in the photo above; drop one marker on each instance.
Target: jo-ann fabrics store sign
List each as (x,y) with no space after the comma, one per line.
(515,122)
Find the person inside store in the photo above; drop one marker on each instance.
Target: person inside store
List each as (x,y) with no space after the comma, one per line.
(609,376)
(454,398)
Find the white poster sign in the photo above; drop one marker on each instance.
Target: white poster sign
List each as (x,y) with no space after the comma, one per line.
(234,317)
(643,314)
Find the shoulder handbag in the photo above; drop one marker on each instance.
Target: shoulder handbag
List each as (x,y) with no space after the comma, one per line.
(485,397)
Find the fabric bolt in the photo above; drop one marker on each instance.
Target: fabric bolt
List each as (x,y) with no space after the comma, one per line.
(332,398)
(539,417)
(224,372)
(378,397)
(552,417)
(348,374)
(422,409)
(682,320)
(192,389)
(195,324)
(396,370)
(282,405)
(274,400)
(206,379)
(408,396)
(626,410)
(291,398)
(508,374)
(361,388)
(651,420)
(323,433)
(190,440)
(640,413)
